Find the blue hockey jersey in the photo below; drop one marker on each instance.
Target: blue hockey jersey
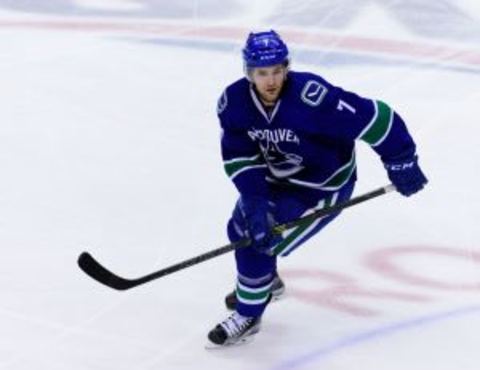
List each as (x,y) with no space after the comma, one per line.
(308,139)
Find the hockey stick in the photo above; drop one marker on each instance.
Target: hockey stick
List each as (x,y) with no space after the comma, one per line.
(95,270)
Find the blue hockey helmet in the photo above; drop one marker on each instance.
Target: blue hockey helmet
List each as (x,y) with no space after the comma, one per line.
(264,49)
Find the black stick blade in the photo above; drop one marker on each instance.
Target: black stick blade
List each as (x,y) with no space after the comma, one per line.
(96,271)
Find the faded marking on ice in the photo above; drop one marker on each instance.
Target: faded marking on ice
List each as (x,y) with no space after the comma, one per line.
(387,263)
(441,55)
(341,288)
(373,334)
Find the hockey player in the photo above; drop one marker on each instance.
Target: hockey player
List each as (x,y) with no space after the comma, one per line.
(288,145)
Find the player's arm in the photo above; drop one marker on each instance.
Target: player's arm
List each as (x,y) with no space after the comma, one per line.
(246,167)
(243,162)
(242,159)
(377,124)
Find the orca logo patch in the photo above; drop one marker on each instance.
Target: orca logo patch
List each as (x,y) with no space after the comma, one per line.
(313,93)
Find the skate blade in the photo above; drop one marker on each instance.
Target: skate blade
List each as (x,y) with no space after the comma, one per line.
(215,347)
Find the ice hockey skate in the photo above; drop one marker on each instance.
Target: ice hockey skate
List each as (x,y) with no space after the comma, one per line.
(235,330)
(278,289)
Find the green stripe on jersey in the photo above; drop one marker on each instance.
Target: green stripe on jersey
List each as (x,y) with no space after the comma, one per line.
(378,129)
(234,166)
(341,176)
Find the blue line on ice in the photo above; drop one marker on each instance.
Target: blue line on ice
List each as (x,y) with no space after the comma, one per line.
(373,334)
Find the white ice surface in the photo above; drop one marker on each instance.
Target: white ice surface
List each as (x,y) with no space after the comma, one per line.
(109,143)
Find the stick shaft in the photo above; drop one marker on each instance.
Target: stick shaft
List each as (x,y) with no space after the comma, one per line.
(95,270)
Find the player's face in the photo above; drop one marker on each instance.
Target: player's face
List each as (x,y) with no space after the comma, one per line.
(269,82)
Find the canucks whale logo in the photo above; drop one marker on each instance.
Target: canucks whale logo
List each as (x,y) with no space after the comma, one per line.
(280,163)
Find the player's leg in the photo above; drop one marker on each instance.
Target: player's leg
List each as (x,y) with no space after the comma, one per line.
(255,274)
(289,205)
(257,271)
(277,290)
(289,208)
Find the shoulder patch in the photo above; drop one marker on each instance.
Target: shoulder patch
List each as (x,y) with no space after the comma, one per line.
(313,93)
(222,102)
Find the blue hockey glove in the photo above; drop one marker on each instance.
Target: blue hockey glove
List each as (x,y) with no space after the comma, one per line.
(406,175)
(258,221)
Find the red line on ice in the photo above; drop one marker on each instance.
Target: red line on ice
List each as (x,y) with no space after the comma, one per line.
(317,40)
